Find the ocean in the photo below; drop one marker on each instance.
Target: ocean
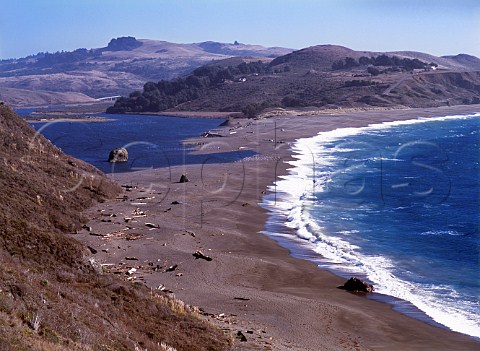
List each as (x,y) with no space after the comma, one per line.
(396,204)
(151,141)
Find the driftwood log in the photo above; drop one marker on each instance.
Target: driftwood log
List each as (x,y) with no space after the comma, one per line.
(200,254)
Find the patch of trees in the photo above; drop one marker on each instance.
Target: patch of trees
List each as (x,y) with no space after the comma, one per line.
(49,63)
(167,94)
(47,59)
(382,60)
(254,109)
(373,71)
(343,64)
(65,57)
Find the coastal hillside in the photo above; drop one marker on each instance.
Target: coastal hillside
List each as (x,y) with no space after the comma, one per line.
(320,77)
(53,294)
(23,97)
(125,64)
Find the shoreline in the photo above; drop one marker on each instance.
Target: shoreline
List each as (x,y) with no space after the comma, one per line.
(187,114)
(67,119)
(302,248)
(253,284)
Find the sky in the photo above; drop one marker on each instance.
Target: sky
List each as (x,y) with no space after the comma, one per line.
(438,27)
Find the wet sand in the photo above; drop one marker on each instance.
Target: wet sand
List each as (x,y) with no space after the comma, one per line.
(251,284)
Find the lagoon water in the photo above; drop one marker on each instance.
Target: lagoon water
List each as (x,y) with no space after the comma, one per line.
(395,203)
(152,141)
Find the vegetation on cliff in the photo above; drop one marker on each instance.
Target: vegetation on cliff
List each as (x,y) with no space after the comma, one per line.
(399,63)
(165,94)
(53,295)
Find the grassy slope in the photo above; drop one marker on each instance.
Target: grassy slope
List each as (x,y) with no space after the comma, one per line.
(52,295)
(116,72)
(305,78)
(22,97)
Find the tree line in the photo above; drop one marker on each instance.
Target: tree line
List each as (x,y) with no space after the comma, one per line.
(167,94)
(381,60)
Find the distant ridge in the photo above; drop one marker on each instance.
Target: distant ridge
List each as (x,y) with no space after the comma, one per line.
(125,64)
(287,78)
(466,60)
(318,77)
(322,56)
(238,49)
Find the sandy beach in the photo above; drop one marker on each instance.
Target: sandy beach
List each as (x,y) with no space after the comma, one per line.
(243,281)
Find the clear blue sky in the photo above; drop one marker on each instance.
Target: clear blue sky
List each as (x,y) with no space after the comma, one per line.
(439,27)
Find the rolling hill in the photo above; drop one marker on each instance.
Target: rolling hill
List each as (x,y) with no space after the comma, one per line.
(125,64)
(324,76)
(206,77)
(23,97)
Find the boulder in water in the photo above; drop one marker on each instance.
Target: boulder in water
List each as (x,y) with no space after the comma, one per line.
(119,154)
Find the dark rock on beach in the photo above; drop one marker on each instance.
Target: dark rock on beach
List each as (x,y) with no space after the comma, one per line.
(183,179)
(356,285)
(241,336)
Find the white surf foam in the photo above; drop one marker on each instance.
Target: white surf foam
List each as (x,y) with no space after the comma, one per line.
(292,196)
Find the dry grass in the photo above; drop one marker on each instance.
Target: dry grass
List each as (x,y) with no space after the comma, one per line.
(51,296)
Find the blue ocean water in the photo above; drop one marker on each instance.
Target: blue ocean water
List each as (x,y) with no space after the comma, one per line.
(152,141)
(398,204)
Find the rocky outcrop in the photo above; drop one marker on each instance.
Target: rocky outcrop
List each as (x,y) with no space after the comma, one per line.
(119,154)
(356,285)
(123,44)
(183,179)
